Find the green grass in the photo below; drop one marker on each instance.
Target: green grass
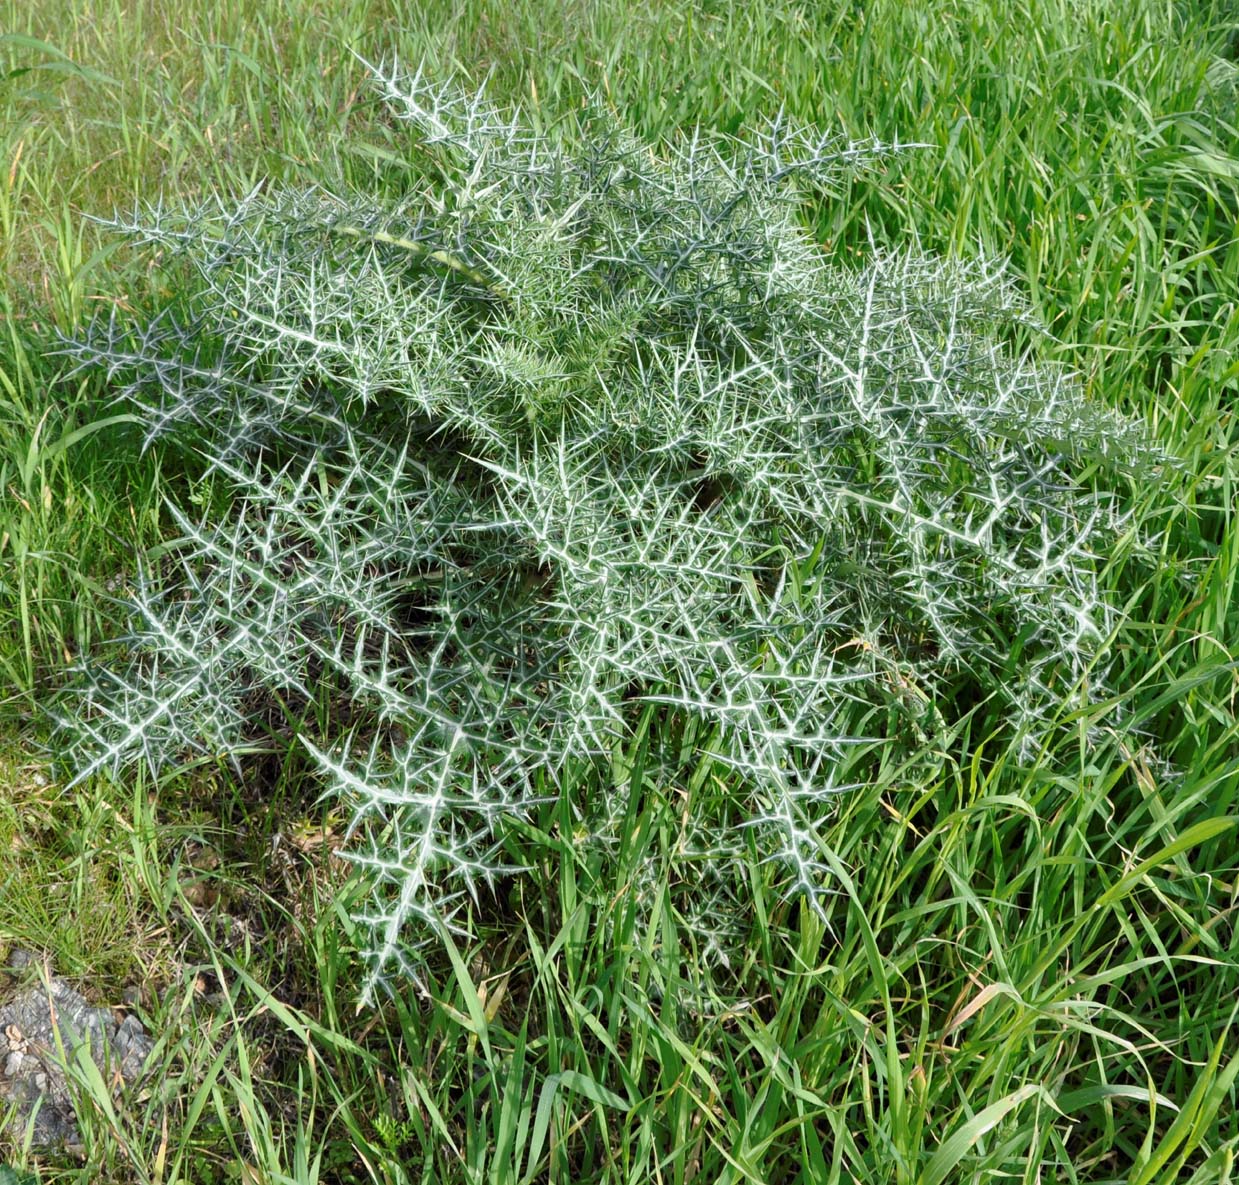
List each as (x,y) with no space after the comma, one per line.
(1022,973)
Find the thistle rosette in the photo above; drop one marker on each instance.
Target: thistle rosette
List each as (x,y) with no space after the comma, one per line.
(571,428)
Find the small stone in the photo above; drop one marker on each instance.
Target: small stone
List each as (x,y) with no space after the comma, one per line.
(46,1015)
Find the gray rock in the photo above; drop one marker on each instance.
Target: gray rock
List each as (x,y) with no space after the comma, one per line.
(32,1082)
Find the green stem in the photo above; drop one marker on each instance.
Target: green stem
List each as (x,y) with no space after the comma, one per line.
(413,247)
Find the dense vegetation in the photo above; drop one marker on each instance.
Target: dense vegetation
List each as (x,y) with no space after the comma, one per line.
(1017,955)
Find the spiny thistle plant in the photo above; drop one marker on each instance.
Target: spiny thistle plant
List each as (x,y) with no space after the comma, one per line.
(571,428)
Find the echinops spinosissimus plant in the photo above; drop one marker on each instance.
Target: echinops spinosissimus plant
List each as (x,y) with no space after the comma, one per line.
(570,428)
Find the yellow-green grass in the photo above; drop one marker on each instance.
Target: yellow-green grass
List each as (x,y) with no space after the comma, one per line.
(1024,973)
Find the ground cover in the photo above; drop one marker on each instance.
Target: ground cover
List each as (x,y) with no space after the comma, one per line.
(1025,969)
